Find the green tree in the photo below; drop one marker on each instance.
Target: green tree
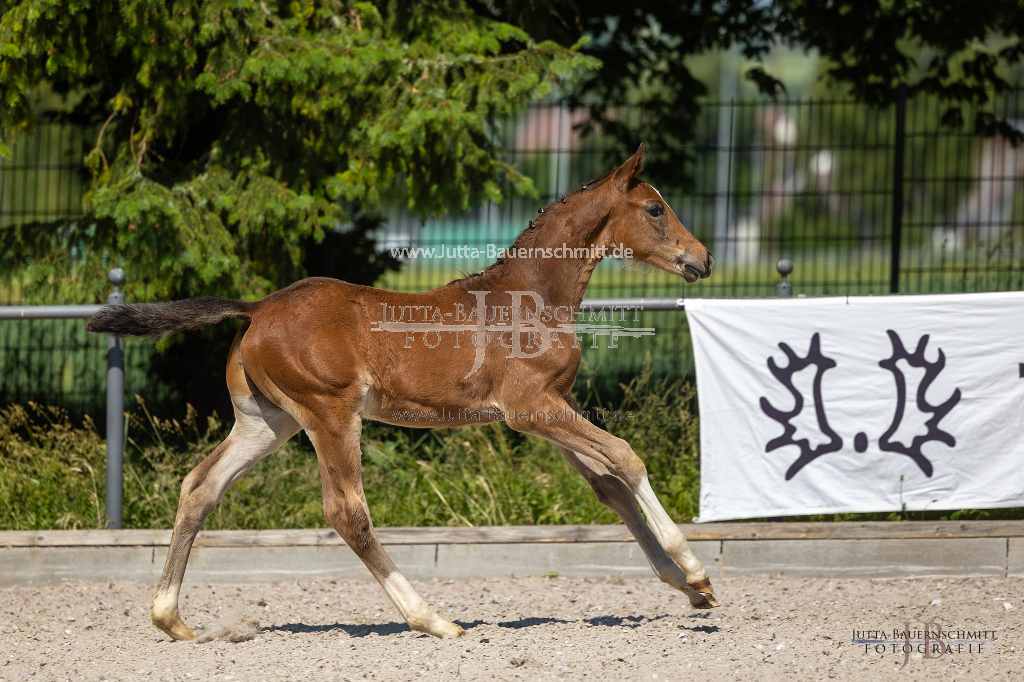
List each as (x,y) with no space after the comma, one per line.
(232,135)
(958,50)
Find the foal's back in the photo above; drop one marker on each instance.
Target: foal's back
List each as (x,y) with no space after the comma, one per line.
(317,338)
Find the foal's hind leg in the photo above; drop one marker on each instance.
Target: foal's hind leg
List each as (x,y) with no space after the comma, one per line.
(260,428)
(336,440)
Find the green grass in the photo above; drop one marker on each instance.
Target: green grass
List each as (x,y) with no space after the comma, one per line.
(53,471)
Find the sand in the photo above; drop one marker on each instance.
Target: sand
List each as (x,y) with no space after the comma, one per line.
(768,628)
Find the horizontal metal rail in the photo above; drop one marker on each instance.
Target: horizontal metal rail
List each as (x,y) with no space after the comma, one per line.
(47,312)
(635,303)
(69,312)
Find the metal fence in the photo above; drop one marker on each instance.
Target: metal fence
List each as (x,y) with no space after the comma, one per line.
(54,361)
(816,181)
(838,187)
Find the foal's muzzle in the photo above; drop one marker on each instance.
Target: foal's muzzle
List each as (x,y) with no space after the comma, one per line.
(693,268)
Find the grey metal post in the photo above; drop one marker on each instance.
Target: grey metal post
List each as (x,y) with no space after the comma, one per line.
(897,189)
(115,413)
(723,245)
(784,288)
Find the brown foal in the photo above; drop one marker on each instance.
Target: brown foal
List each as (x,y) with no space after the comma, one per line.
(320,355)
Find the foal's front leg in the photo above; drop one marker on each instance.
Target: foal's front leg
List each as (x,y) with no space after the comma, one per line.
(614,494)
(619,478)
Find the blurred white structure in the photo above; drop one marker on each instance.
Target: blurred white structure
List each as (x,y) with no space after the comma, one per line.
(986,212)
(777,181)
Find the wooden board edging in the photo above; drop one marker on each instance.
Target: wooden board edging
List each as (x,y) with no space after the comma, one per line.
(889,530)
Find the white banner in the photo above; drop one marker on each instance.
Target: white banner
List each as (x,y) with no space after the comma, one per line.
(859,404)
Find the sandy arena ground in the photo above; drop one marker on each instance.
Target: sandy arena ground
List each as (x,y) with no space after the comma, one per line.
(516,629)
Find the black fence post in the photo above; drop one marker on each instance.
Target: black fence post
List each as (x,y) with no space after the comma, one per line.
(115,414)
(897,188)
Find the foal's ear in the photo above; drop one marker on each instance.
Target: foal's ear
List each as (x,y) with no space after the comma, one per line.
(633,165)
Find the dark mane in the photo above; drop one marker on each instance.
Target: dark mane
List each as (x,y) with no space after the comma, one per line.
(526,237)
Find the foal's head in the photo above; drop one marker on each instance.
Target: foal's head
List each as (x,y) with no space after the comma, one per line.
(641,219)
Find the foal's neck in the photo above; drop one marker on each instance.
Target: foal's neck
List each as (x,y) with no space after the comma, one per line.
(560,281)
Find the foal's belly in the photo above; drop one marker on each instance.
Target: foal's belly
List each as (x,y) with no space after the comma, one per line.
(410,411)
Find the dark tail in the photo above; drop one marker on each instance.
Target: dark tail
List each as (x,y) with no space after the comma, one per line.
(162,319)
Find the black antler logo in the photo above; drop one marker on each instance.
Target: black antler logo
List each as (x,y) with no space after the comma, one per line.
(931,370)
(785,376)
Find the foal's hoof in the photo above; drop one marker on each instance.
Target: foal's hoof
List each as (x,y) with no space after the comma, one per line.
(705,603)
(178,630)
(447,630)
(164,614)
(440,628)
(706,595)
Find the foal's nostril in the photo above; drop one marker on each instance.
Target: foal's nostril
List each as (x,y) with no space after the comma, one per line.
(708,264)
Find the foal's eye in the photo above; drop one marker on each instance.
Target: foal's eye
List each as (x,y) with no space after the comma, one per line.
(655,210)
